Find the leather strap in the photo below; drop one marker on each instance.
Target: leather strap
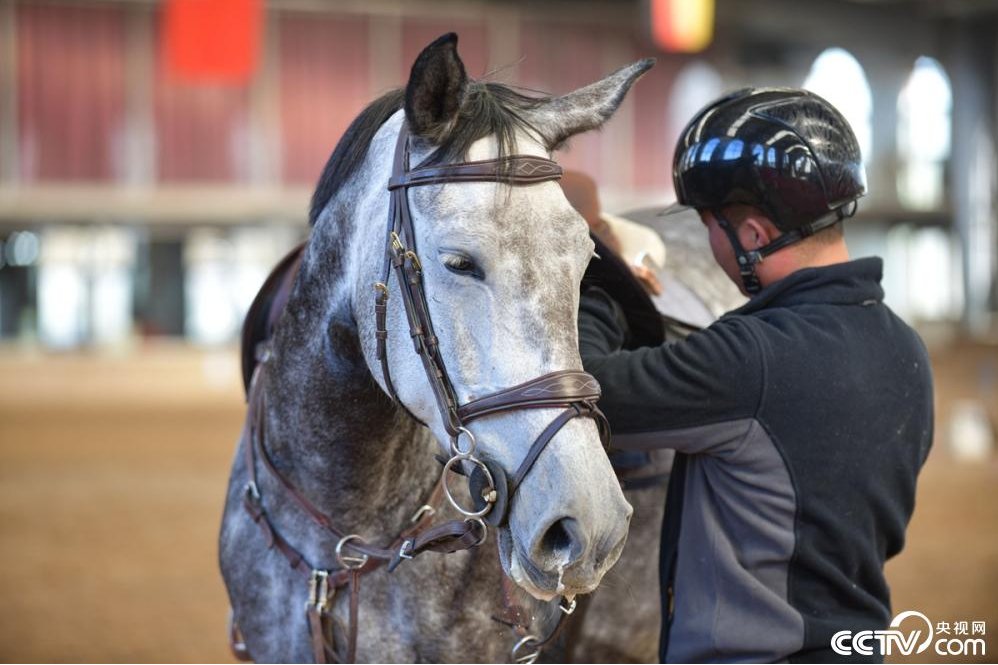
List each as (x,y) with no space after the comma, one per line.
(401,254)
(447,537)
(540,444)
(316,631)
(556,389)
(354,613)
(520,620)
(514,170)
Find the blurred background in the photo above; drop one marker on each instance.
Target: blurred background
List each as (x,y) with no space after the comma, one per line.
(157,158)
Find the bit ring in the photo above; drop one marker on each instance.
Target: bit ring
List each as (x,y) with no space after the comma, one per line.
(450,496)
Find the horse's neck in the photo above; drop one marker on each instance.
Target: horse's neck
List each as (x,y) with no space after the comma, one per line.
(340,440)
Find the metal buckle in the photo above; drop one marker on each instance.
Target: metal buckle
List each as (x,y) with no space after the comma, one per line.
(253,490)
(406,545)
(411,255)
(382,288)
(318,590)
(425,509)
(530,657)
(347,561)
(397,242)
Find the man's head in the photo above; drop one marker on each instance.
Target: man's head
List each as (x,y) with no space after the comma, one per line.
(771,168)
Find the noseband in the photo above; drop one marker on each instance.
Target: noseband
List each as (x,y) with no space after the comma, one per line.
(574,391)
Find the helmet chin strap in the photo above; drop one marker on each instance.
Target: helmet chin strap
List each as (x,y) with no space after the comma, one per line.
(748,259)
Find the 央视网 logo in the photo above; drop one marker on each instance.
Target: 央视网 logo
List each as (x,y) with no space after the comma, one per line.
(958,638)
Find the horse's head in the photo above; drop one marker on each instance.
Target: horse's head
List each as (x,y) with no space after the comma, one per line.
(501,266)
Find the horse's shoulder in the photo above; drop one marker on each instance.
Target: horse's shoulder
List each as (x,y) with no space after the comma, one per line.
(267,307)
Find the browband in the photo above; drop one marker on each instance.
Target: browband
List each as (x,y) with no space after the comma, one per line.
(515,170)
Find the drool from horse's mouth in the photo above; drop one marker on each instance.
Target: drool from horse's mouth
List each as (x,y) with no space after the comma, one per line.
(540,585)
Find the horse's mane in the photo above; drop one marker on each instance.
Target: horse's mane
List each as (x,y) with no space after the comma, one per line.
(489,109)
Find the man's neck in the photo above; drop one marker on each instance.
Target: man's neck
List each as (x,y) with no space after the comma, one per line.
(783,263)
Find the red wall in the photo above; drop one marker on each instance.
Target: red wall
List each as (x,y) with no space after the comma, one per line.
(202,129)
(324,84)
(71,91)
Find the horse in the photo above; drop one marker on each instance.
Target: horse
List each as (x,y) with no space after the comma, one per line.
(335,481)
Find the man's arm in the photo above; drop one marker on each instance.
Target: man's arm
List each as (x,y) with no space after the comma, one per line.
(697,395)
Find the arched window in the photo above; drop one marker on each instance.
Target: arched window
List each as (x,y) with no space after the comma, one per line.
(696,85)
(924,125)
(838,77)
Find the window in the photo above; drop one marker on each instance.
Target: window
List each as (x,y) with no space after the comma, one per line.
(924,125)
(838,77)
(695,86)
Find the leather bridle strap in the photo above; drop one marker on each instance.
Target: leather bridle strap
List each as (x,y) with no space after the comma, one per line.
(560,388)
(401,254)
(515,170)
(575,391)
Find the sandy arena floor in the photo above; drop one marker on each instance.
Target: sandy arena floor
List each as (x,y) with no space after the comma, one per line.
(112,473)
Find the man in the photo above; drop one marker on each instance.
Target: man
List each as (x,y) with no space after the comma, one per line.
(800,420)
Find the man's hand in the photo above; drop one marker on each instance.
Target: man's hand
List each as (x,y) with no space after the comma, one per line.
(648,279)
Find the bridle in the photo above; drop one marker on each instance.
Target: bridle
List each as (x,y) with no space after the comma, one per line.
(572,390)
(575,392)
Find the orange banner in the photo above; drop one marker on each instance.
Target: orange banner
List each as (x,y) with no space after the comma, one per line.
(212,40)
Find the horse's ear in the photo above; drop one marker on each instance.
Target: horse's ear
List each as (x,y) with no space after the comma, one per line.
(586,108)
(436,89)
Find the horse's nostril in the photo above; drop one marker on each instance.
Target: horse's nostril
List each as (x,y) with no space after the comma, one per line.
(565,540)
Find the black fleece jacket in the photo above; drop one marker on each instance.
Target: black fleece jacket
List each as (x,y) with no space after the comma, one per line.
(801,421)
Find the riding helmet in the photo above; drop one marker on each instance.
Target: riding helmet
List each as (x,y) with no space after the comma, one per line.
(785,151)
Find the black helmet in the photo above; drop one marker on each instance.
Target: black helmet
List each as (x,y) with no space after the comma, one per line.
(785,151)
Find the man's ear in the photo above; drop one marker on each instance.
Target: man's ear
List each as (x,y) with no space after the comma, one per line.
(755,232)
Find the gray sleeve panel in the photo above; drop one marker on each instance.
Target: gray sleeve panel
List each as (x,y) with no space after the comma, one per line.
(717,439)
(737,540)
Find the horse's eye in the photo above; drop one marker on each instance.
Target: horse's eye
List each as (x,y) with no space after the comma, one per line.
(462,264)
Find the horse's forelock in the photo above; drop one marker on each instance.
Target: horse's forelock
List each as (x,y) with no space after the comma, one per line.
(489,109)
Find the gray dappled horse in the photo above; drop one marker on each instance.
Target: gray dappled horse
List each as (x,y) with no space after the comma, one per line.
(501,267)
